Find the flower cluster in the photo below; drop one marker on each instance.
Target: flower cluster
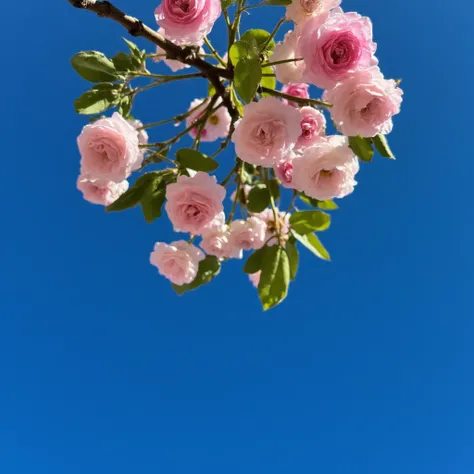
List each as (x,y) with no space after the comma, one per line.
(280,137)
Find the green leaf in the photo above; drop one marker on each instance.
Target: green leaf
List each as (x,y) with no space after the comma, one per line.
(239,50)
(362,147)
(209,268)
(293,257)
(134,49)
(125,105)
(380,142)
(275,276)
(151,205)
(247,76)
(125,62)
(259,38)
(254,262)
(282,3)
(313,244)
(99,98)
(258,198)
(274,188)
(268,81)
(195,160)
(94,67)
(137,192)
(328,205)
(304,222)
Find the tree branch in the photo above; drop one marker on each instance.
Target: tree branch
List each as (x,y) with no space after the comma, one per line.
(185,54)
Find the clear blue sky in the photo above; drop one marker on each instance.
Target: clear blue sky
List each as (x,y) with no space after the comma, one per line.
(367,367)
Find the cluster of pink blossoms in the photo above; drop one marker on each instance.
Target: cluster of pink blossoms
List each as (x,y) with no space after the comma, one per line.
(338,56)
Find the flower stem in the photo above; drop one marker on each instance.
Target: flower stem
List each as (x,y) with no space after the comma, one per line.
(298,100)
(214,52)
(282,61)
(272,34)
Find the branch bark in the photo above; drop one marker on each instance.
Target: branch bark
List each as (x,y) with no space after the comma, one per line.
(185,54)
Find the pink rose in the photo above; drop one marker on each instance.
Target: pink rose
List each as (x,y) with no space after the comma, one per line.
(337,49)
(216,241)
(326,170)
(301,11)
(101,192)
(268,217)
(109,149)
(267,132)
(187,21)
(313,127)
(293,70)
(194,202)
(284,172)
(298,89)
(248,234)
(217,125)
(365,104)
(255,278)
(178,261)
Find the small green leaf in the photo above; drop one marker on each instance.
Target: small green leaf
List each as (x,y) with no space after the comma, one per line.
(137,192)
(239,50)
(125,62)
(195,160)
(380,142)
(362,147)
(134,49)
(313,244)
(254,262)
(260,39)
(95,101)
(268,81)
(209,268)
(304,222)
(283,3)
(227,3)
(94,67)
(125,105)
(275,276)
(293,257)
(211,90)
(151,205)
(258,198)
(247,76)
(328,205)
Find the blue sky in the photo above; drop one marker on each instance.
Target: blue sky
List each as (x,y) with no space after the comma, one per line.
(366,368)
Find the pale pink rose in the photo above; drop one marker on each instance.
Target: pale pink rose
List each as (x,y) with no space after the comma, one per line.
(293,70)
(313,127)
(326,170)
(247,234)
(217,125)
(173,64)
(255,278)
(296,89)
(267,132)
(337,49)
(109,149)
(284,172)
(178,261)
(365,104)
(245,189)
(101,192)
(301,11)
(194,202)
(216,241)
(268,217)
(187,21)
